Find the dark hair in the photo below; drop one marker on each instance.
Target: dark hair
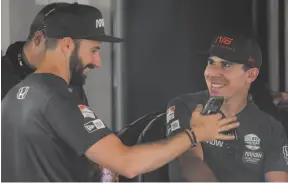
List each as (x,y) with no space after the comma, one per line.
(246,68)
(38,22)
(262,97)
(51,43)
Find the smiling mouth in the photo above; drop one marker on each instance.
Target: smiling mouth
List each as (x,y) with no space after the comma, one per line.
(86,70)
(217,86)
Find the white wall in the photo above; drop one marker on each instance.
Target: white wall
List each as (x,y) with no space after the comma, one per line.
(5,29)
(17,15)
(99,81)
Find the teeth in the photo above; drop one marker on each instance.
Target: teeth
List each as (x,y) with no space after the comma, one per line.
(86,70)
(217,85)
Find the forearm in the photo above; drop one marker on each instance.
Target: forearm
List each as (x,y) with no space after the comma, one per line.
(147,157)
(199,172)
(192,168)
(276,176)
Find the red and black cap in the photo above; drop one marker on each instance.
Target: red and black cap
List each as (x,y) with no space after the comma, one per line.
(238,48)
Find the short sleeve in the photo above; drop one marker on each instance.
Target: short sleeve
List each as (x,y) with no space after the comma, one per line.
(276,155)
(75,123)
(178,117)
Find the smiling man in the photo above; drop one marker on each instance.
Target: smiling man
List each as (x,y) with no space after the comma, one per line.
(259,154)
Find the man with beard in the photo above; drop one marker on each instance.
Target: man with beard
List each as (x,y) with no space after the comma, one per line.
(260,151)
(51,132)
(22,57)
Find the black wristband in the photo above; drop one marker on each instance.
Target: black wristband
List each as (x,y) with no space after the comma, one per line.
(194,136)
(193,143)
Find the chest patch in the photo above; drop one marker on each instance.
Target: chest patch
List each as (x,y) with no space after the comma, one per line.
(253,153)
(252,157)
(252,142)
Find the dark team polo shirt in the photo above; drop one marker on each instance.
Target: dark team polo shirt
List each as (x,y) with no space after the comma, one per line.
(261,148)
(45,132)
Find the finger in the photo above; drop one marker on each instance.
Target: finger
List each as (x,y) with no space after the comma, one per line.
(225,137)
(228,127)
(217,116)
(227,120)
(197,110)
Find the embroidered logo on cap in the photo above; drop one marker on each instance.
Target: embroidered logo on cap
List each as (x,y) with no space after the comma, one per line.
(99,23)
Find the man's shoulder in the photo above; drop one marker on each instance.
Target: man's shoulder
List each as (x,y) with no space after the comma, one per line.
(268,120)
(7,66)
(40,89)
(193,98)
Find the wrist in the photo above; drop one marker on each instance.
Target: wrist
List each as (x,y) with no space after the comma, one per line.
(191,136)
(198,135)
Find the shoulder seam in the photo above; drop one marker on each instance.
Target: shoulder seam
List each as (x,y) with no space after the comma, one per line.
(49,100)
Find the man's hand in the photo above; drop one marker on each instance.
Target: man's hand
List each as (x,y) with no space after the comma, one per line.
(208,127)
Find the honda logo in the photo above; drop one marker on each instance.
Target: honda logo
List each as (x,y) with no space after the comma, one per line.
(22,92)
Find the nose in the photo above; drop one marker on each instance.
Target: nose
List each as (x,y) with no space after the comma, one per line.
(214,70)
(97,60)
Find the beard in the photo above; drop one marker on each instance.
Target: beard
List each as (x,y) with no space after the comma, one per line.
(77,68)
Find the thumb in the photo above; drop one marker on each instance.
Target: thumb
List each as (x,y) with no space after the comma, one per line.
(198,109)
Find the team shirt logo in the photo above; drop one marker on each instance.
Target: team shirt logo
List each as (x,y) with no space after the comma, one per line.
(22,92)
(175,125)
(86,112)
(254,154)
(217,143)
(252,141)
(170,113)
(94,125)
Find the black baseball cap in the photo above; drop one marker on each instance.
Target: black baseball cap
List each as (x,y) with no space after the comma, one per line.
(237,47)
(76,21)
(38,22)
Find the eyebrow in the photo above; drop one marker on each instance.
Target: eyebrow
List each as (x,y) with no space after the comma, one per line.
(225,61)
(95,48)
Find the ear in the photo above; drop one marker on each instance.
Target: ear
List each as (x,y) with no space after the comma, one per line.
(38,38)
(67,46)
(252,74)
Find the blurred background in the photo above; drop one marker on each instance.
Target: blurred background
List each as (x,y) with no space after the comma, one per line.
(157,60)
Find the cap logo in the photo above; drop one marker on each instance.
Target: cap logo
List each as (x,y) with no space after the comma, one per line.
(251,59)
(99,23)
(224,40)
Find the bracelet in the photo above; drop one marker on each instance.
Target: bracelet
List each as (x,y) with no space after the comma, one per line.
(188,132)
(194,136)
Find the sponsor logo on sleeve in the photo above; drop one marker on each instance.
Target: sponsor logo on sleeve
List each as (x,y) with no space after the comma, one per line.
(170,113)
(86,112)
(94,125)
(173,126)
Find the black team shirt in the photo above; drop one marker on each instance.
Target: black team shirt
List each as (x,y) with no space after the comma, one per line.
(45,132)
